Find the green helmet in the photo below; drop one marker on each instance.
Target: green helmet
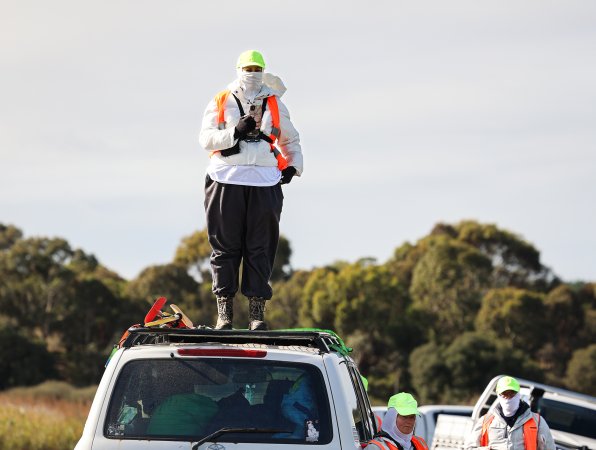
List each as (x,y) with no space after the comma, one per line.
(250,58)
(364,382)
(404,403)
(507,384)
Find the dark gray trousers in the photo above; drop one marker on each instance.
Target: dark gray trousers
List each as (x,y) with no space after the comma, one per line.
(243,226)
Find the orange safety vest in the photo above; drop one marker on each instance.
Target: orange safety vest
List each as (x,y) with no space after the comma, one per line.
(220,100)
(379,422)
(530,432)
(417,442)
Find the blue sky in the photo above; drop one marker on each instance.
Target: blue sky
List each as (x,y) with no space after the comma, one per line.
(410,113)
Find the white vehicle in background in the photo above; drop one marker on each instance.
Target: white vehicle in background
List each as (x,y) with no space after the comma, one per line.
(425,424)
(199,389)
(571,416)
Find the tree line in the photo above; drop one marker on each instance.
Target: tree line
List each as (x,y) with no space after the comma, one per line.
(440,317)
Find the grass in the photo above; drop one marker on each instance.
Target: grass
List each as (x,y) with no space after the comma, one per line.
(49,416)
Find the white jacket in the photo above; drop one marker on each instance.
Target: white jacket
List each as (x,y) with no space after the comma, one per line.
(251,153)
(502,437)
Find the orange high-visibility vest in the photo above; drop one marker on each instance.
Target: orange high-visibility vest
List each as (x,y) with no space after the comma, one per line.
(530,432)
(417,442)
(220,100)
(379,422)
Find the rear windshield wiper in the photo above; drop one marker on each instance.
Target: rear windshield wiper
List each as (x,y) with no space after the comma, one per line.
(237,430)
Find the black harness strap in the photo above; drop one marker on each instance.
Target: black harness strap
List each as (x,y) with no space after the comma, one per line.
(261,135)
(236,148)
(239,105)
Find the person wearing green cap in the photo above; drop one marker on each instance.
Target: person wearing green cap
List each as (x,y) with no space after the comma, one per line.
(510,424)
(254,149)
(397,430)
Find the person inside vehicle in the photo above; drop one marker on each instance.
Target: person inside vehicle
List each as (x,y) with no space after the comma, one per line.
(186,414)
(397,431)
(510,424)
(299,407)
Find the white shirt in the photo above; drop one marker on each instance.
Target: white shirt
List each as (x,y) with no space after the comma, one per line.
(244,175)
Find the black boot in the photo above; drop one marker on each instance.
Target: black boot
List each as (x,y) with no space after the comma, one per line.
(256,313)
(225,313)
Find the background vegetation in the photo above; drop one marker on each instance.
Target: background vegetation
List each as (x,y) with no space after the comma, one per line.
(440,317)
(49,416)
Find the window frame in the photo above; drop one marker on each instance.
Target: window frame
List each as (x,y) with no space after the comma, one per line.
(368,429)
(320,390)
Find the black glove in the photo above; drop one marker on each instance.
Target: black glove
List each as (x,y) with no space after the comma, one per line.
(287,174)
(245,126)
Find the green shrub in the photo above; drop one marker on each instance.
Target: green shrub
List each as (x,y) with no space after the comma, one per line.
(581,372)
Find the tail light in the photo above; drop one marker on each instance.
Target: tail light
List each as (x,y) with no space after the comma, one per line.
(226,352)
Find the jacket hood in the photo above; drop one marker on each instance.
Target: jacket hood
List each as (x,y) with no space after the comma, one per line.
(272,85)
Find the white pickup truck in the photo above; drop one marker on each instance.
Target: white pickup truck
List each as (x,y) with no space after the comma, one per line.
(427,421)
(571,416)
(199,389)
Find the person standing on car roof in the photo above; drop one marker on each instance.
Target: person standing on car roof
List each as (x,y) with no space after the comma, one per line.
(510,424)
(253,149)
(397,431)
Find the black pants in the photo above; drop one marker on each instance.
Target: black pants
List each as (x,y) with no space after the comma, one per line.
(243,226)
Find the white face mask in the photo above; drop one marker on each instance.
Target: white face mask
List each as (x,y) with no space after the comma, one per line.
(509,405)
(251,82)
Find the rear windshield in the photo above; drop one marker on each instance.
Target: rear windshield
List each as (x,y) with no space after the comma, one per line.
(187,399)
(567,417)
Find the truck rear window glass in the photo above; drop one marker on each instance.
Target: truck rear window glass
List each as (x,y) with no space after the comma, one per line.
(568,418)
(185,399)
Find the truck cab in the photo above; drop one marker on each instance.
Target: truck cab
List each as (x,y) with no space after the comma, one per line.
(571,416)
(426,421)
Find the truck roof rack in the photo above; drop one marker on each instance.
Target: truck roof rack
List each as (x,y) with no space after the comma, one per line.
(325,341)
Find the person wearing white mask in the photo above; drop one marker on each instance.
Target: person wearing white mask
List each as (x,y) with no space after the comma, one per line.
(254,149)
(510,424)
(397,431)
